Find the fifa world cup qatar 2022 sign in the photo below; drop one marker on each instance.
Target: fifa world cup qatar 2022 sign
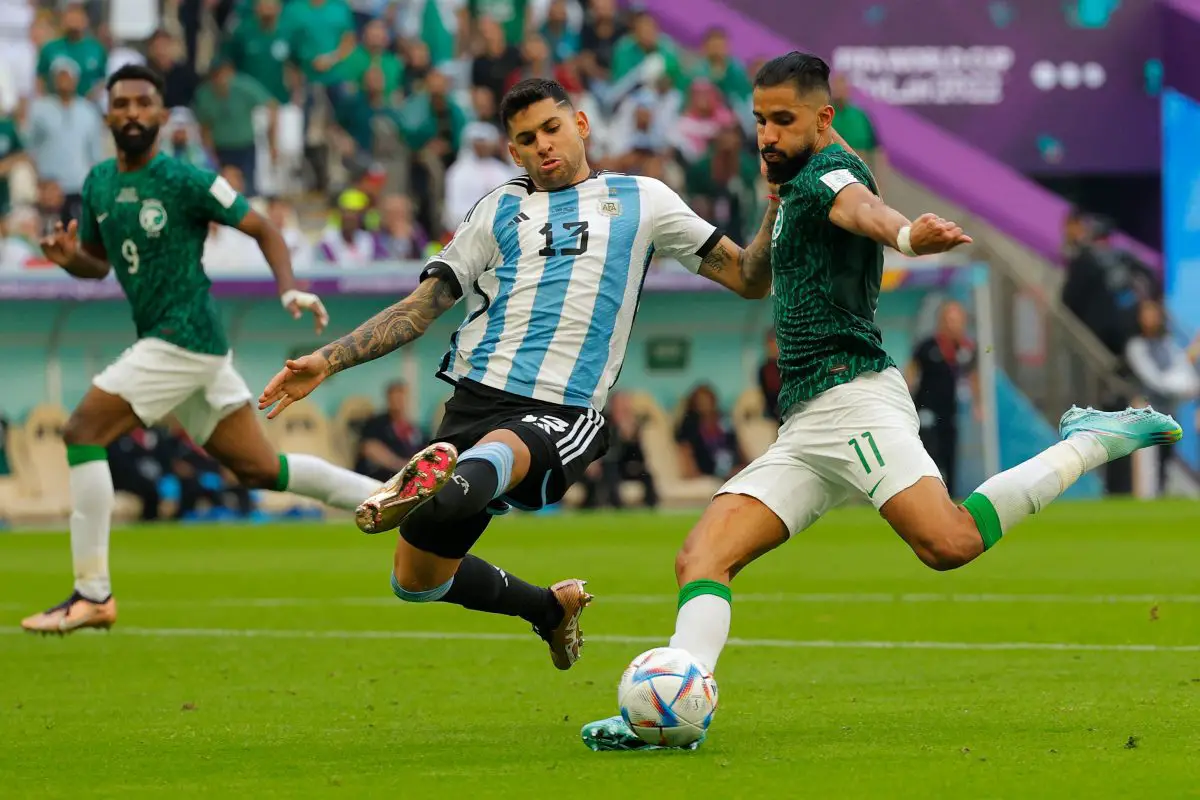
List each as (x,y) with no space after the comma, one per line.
(1047,86)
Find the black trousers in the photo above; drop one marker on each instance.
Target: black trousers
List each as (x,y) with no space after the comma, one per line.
(941,442)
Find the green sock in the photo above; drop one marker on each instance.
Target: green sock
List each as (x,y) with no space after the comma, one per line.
(281,480)
(986,519)
(697,588)
(83,453)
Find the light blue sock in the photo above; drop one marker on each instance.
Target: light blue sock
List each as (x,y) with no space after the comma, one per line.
(427,596)
(499,455)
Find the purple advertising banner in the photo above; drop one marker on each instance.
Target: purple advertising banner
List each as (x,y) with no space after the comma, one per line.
(1180,22)
(1045,86)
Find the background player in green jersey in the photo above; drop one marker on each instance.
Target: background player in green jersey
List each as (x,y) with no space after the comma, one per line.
(850,430)
(146,216)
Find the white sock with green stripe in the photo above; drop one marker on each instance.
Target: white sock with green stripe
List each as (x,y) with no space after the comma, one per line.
(316,478)
(702,625)
(1005,499)
(92,501)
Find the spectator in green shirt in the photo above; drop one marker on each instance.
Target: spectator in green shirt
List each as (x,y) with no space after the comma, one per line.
(854,125)
(321,34)
(373,53)
(260,47)
(645,40)
(722,184)
(722,70)
(225,110)
(11,153)
(513,16)
(76,44)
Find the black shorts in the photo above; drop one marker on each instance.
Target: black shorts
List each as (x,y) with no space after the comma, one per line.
(562,440)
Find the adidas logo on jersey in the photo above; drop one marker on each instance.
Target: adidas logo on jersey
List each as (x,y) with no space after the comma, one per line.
(519,218)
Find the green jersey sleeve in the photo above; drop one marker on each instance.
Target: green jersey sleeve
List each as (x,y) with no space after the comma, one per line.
(89,228)
(833,172)
(212,199)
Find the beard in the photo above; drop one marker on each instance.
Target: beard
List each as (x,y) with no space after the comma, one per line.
(788,167)
(134,140)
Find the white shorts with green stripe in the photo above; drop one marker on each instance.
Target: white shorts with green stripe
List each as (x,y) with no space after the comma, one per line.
(858,440)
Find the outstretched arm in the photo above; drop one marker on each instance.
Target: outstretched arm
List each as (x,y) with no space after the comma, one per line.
(279,259)
(388,330)
(744,270)
(860,211)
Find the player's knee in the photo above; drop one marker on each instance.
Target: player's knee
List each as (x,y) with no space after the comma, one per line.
(950,551)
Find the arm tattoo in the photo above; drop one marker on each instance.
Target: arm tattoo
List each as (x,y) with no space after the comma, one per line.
(391,328)
(714,262)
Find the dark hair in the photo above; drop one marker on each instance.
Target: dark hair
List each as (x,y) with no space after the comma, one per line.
(807,72)
(136,72)
(528,92)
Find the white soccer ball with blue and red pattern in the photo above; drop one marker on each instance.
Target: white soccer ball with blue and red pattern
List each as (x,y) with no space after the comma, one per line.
(667,697)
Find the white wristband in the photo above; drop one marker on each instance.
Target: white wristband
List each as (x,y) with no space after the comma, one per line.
(301,299)
(902,241)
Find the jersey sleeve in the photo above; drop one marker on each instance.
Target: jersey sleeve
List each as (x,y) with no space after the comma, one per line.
(471,251)
(89,228)
(678,232)
(827,179)
(212,199)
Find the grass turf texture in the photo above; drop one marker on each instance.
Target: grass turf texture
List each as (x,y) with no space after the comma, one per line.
(273,662)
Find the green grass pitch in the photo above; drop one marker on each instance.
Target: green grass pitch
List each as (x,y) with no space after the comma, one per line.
(272,661)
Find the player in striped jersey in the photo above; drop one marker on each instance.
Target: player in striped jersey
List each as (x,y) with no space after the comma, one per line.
(551,267)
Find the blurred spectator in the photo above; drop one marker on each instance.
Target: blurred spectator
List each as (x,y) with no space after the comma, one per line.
(645,46)
(191,19)
(707,444)
(485,106)
(119,55)
(20,244)
(853,123)
(536,62)
(702,119)
(722,70)
(139,461)
(227,249)
(722,184)
(431,123)
(560,35)
(496,59)
(440,25)
(417,65)
(12,152)
(402,237)
(357,110)
(179,78)
(350,244)
(283,217)
(769,379)
(181,138)
(196,476)
(1075,233)
(18,53)
(941,367)
(51,204)
(322,35)
(77,46)
(1104,286)
(477,171)
(261,48)
(373,53)
(511,15)
(598,39)
(624,461)
(65,136)
(1166,371)
(390,439)
(637,128)
(225,109)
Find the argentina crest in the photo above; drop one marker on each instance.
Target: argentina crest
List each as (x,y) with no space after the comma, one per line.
(152,217)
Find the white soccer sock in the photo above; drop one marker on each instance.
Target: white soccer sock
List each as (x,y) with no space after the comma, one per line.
(92,501)
(1031,486)
(702,627)
(317,478)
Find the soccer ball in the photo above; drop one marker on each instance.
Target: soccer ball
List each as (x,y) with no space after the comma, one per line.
(667,697)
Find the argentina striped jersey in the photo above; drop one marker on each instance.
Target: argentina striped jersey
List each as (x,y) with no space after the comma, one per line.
(552,282)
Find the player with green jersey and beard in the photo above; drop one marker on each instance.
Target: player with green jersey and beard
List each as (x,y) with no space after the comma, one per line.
(850,429)
(146,215)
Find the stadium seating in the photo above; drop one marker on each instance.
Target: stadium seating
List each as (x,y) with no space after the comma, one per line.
(755,431)
(662,457)
(303,429)
(346,429)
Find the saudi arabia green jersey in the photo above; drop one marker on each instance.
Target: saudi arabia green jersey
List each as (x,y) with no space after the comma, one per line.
(826,282)
(152,223)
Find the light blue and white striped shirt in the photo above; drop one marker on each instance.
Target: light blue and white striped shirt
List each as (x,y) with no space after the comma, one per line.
(552,281)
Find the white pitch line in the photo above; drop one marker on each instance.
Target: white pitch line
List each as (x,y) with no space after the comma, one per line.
(848,598)
(790,644)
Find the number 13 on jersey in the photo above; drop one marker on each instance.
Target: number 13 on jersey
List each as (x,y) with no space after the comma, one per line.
(129,252)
